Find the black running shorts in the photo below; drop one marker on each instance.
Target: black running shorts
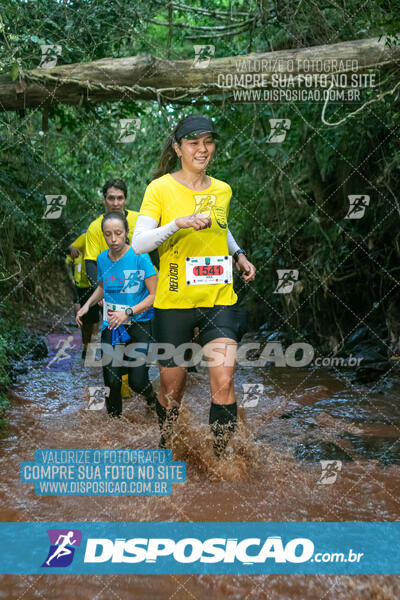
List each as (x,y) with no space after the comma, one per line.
(93,314)
(175,325)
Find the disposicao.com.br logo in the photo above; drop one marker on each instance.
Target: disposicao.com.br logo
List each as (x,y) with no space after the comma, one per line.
(167,548)
(248,551)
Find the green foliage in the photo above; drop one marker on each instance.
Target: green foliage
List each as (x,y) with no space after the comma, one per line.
(14,346)
(289,199)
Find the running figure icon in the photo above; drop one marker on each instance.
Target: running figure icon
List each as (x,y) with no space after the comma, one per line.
(62,346)
(62,549)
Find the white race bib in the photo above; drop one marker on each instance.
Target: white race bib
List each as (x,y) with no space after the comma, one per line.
(110,307)
(201,270)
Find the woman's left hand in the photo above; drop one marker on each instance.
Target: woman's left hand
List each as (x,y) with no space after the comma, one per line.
(247,268)
(116,318)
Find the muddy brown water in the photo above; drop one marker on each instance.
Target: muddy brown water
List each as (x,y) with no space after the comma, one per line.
(271,474)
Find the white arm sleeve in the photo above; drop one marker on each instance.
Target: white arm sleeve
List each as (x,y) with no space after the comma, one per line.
(147,236)
(232,245)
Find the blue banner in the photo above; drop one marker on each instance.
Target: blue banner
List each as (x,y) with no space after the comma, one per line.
(194,548)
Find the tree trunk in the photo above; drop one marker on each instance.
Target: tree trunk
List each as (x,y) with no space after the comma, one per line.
(149,78)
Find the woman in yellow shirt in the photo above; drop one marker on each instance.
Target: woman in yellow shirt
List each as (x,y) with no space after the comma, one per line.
(184,214)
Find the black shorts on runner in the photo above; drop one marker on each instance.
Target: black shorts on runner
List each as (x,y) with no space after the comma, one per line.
(93,314)
(175,325)
(76,294)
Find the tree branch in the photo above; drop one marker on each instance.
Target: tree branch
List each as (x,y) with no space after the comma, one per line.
(213,13)
(147,77)
(202,27)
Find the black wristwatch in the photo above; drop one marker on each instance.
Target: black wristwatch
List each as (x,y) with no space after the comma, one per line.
(128,311)
(235,256)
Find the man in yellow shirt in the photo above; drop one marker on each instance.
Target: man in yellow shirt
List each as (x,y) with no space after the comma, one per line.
(82,288)
(115,195)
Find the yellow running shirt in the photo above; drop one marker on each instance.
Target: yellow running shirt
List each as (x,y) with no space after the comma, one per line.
(166,199)
(79,263)
(95,242)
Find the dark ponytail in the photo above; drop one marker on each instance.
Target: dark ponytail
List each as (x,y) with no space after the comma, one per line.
(120,217)
(168,159)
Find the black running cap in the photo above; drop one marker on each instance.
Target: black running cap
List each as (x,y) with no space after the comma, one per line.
(195,125)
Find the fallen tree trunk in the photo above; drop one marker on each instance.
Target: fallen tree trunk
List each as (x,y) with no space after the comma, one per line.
(150,78)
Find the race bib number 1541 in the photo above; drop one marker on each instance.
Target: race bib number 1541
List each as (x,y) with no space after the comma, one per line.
(201,270)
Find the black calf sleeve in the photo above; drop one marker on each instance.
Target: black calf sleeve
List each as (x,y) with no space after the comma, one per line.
(223,418)
(166,420)
(161,413)
(225,414)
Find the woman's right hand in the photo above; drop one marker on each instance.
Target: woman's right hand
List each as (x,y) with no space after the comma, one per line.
(82,311)
(197,221)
